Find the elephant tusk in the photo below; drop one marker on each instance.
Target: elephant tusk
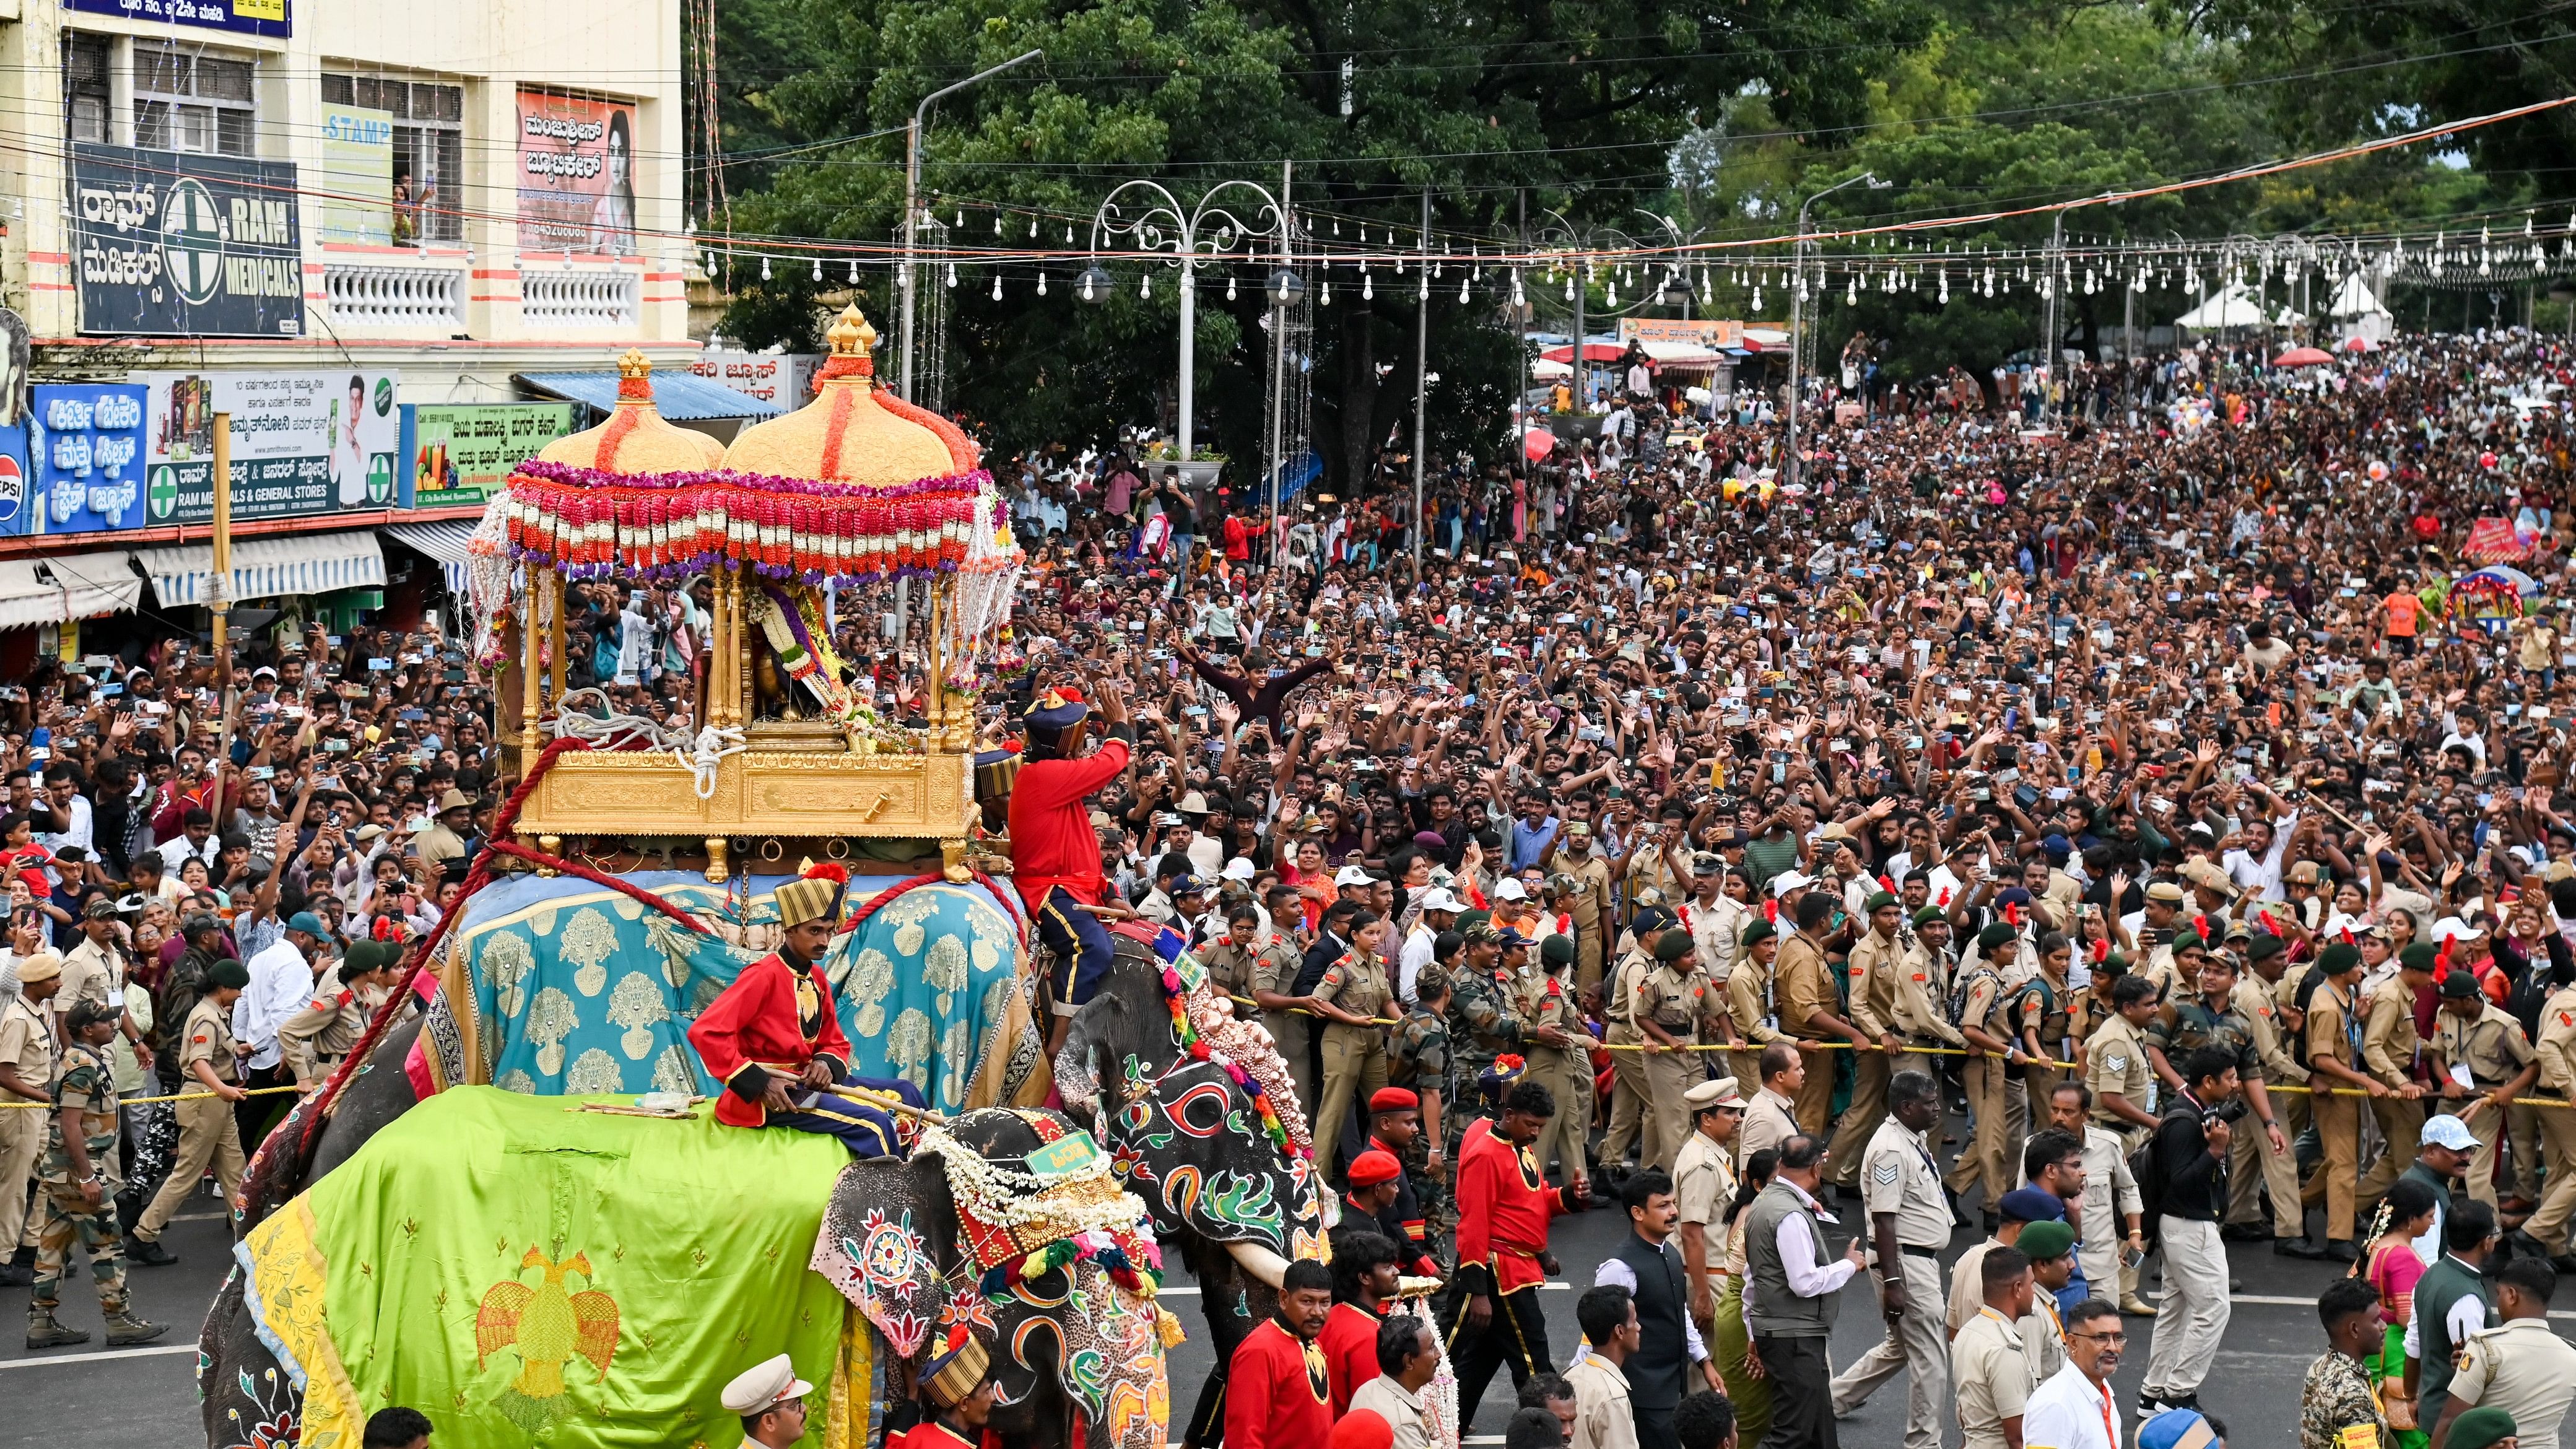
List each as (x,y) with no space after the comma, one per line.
(1261,1263)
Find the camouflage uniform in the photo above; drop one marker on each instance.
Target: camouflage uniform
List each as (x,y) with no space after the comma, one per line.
(1420,1060)
(2195,1026)
(87,1085)
(1484,1023)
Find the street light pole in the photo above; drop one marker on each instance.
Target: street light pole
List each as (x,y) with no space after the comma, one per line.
(1188,225)
(912,197)
(1798,313)
(1279,364)
(2055,282)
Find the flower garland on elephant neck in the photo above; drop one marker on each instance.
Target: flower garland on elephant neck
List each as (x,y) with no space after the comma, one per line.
(1176,996)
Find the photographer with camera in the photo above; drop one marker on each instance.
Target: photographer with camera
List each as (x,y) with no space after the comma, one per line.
(2189,1155)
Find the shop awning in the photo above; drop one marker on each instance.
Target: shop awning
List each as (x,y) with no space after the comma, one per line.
(75,586)
(267,568)
(444,541)
(677,396)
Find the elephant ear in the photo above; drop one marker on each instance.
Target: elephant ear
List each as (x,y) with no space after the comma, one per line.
(871,1247)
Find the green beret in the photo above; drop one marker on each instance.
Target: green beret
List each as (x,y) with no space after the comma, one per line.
(2188,941)
(1876,900)
(1996,936)
(373,955)
(1672,945)
(2045,1240)
(2481,1428)
(229,973)
(2338,958)
(2114,964)
(2418,956)
(2264,946)
(1557,950)
(1928,915)
(1758,931)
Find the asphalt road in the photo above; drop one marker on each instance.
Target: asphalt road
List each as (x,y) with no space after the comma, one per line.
(91,1395)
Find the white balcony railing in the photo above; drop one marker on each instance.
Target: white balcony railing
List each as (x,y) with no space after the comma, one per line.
(381,296)
(586,297)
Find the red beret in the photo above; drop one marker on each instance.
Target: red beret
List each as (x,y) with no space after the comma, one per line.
(1360,1429)
(1395,1099)
(1373,1167)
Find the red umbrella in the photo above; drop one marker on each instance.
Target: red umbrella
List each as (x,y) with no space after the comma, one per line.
(2302,357)
(1592,352)
(1537,443)
(2359,344)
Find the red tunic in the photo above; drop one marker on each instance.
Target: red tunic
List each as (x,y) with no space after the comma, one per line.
(1504,1206)
(761,1020)
(1052,843)
(1349,1342)
(1275,1397)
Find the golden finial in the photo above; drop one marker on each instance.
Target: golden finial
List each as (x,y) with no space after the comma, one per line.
(850,334)
(634,364)
(634,377)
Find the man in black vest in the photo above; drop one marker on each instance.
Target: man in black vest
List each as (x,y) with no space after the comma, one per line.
(1790,1284)
(1669,1350)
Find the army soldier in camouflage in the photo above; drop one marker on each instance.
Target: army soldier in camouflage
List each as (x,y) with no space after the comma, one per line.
(1418,1060)
(1484,1021)
(76,1199)
(2213,1018)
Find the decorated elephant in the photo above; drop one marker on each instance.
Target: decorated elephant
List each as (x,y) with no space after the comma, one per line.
(579,988)
(1195,1108)
(540,1264)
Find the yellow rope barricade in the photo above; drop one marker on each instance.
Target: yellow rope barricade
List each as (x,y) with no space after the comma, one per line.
(181,1097)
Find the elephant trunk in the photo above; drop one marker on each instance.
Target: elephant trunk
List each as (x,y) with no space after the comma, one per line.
(1261,1263)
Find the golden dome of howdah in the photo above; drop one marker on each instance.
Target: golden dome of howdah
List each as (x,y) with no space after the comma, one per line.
(853,432)
(636,439)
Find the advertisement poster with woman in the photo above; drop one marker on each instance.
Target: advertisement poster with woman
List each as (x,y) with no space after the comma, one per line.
(576,174)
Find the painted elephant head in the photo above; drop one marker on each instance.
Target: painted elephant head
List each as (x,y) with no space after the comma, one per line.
(1187,1133)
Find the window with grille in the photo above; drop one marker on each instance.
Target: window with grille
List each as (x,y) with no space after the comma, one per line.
(429,149)
(86,59)
(187,100)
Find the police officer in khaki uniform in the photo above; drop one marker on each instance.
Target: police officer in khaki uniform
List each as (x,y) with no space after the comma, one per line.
(208,1135)
(1922,986)
(2157,930)
(1992,1369)
(2388,1050)
(1704,1185)
(2116,1069)
(1559,1054)
(1351,994)
(2556,1051)
(1748,998)
(1590,905)
(1232,958)
(1994,1098)
(1283,1014)
(1631,1112)
(1666,1011)
(1909,1226)
(321,1032)
(1772,1117)
(1872,972)
(27,1051)
(1808,1004)
(2473,1032)
(2333,1047)
(2274,1045)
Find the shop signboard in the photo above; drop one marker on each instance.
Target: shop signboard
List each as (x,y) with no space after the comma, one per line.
(1707,332)
(86,442)
(357,175)
(576,174)
(18,503)
(141,455)
(784,378)
(176,245)
(463,452)
(241,17)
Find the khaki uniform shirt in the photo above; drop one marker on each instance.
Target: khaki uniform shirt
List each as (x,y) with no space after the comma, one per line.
(2523,1368)
(321,1032)
(2280,1063)
(1898,1175)
(1357,983)
(27,1042)
(1626,975)
(1768,1122)
(1981,1002)
(2493,1045)
(1671,999)
(1803,986)
(1230,966)
(1991,1374)
(2116,1061)
(1703,1189)
(1716,928)
(1967,1286)
(2388,1039)
(1602,1418)
(208,1038)
(1872,968)
(2557,1045)
(2329,1020)
(1748,989)
(1591,900)
(1919,992)
(90,973)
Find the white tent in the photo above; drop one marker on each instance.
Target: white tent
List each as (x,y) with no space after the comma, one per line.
(2232,306)
(2354,299)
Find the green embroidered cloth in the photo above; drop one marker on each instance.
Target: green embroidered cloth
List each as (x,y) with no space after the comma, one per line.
(528,1274)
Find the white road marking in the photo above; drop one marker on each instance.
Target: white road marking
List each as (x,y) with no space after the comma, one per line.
(1190,1290)
(50,1360)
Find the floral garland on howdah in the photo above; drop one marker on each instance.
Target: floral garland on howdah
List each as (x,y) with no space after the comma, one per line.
(586,524)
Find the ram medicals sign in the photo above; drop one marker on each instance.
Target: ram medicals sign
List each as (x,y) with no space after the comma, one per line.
(172,245)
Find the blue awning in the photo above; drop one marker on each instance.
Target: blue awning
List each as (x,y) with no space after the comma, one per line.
(676,395)
(266,568)
(441,539)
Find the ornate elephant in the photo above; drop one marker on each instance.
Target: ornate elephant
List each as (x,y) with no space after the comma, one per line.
(1072,1347)
(1185,1134)
(581,989)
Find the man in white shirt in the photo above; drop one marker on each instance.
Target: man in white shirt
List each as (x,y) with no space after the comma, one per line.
(1439,912)
(2074,1409)
(281,981)
(1790,1293)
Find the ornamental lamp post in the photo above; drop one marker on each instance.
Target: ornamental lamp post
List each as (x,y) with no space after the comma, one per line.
(1798,311)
